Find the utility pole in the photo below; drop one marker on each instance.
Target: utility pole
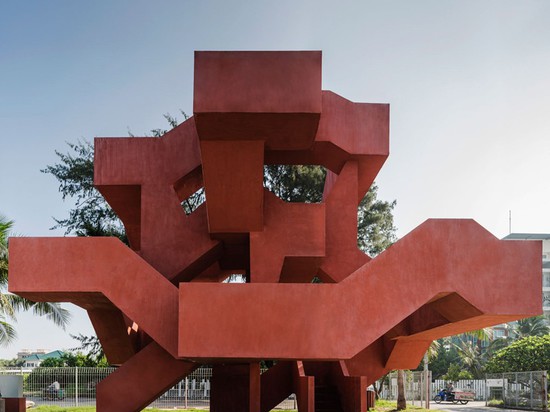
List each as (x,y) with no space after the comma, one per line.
(426,381)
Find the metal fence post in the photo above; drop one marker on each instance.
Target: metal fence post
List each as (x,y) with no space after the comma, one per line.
(486,392)
(422,389)
(76,385)
(504,397)
(532,387)
(516,391)
(544,391)
(185,391)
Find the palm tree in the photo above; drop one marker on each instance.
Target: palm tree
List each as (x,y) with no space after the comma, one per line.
(535,326)
(401,401)
(11,304)
(472,358)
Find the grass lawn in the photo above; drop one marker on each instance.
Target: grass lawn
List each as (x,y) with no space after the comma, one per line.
(387,406)
(92,409)
(381,406)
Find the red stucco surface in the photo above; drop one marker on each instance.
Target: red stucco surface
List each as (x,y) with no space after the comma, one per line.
(158,306)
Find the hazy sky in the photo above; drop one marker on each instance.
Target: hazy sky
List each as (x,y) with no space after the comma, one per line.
(468,83)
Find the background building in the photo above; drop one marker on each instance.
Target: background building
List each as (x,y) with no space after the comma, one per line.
(33,359)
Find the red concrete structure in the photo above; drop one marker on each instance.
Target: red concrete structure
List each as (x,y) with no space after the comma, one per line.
(158,306)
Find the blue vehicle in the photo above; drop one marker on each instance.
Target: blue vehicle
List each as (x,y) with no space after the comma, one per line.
(445,395)
(53,392)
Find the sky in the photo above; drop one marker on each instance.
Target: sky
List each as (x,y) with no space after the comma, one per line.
(468,83)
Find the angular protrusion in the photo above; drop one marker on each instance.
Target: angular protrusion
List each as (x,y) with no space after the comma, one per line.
(144,180)
(102,271)
(347,131)
(431,253)
(357,128)
(271,96)
(407,354)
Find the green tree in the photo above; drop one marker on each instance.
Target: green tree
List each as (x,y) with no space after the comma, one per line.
(472,358)
(296,183)
(91,215)
(535,326)
(11,304)
(91,347)
(11,363)
(456,373)
(528,354)
(401,401)
(71,359)
(375,227)
(441,355)
(7,332)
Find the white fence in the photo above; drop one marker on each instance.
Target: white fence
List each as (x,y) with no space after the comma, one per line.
(77,387)
(515,389)
(474,385)
(414,385)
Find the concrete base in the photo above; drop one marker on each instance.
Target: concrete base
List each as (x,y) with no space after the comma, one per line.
(14,405)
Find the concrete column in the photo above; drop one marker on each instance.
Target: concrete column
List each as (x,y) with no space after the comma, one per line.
(235,388)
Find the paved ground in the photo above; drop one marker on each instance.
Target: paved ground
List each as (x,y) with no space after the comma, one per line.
(469,407)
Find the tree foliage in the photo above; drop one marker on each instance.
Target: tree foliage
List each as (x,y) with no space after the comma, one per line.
(464,355)
(528,354)
(472,358)
(375,228)
(73,359)
(91,215)
(91,346)
(296,183)
(456,373)
(445,354)
(11,363)
(534,326)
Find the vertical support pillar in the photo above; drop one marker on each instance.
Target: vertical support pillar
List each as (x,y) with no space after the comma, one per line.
(235,388)
(352,392)
(233,173)
(304,388)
